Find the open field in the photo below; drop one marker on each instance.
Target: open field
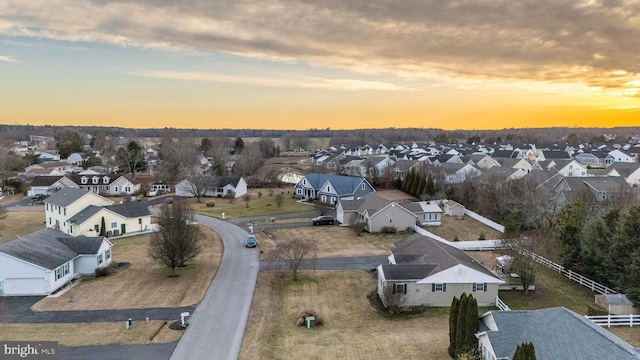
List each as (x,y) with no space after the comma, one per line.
(465,229)
(91,333)
(352,329)
(14,224)
(143,284)
(258,206)
(333,241)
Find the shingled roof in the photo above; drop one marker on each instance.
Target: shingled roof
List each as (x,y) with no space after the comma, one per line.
(66,196)
(129,210)
(50,248)
(556,333)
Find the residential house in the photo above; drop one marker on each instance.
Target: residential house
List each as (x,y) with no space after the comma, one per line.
(108,184)
(428,213)
(67,202)
(47,185)
(60,167)
(431,273)
(618,156)
(594,158)
(571,168)
(458,173)
(589,189)
(502,173)
(44,261)
(376,212)
(402,167)
(523,164)
(330,189)
(556,333)
(219,187)
(481,161)
(350,165)
(75,159)
(49,155)
(119,219)
(375,166)
(628,171)
(159,188)
(453,208)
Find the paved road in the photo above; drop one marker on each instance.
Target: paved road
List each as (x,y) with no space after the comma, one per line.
(242,221)
(216,327)
(347,263)
(118,352)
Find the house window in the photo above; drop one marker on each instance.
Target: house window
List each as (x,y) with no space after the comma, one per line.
(47,207)
(390,220)
(84,180)
(324,199)
(328,188)
(114,225)
(49,220)
(304,182)
(96,227)
(362,186)
(399,288)
(115,189)
(107,254)
(299,191)
(62,271)
(439,287)
(127,189)
(65,211)
(95,180)
(480,287)
(100,261)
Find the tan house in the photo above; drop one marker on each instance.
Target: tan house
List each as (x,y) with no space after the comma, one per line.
(431,273)
(119,219)
(67,202)
(376,212)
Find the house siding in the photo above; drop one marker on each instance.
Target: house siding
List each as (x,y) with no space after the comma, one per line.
(421,294)
(402,219)
(52,213)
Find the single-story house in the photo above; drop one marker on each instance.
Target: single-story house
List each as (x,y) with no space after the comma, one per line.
(47,185)
(220,187)
(376,212)
(452,208)
(43,261)
(119,219)
(556,333)
(431,273)
(428,213)
(159,188)
(330,189)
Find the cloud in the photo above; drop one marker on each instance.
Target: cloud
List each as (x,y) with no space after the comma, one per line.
(291,82)
(8,59)
(574,41)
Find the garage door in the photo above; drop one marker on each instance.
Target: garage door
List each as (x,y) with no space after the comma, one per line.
(24,286)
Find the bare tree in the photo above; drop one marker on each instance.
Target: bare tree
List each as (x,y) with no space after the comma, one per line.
(177,241)
(246,198)
(197,185)
(294,252)
(394,298)
(278,199)
(523,250)
(177,159)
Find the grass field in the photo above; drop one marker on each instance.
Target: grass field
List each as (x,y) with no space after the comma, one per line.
(352,328)
(258,206)
(14,224)
(333,241)
(91,333)
(143,284)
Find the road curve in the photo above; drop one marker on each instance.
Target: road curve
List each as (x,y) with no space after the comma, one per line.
(216,327)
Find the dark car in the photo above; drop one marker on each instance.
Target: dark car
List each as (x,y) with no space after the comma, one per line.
(323,220)
(38,197)
(251,242)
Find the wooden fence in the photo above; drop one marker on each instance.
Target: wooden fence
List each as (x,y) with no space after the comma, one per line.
(615,320)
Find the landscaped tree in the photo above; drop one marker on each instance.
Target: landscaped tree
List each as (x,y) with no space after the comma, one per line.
(103,228)
(131,158)
(453,320)
(293,253)
(69,142)
(461,324)
(623,259)
(239,145)
(569,233)
(178,239)
(471,325)
(205,145)
(525,351)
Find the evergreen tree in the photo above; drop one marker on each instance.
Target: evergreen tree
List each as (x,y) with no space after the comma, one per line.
(461,324)
(471,325)
(410,180)
(416,184)
(430,186)
(103,228)
(623,258)
(405,181)
(525,351)
(419,189)
(453,320)
(569,233)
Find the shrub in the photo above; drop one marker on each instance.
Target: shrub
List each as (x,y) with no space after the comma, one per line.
(596,310)
(482,237)
(259,194)
(210,203)
(169,201)
(358,227)
(304,314)
(106,270)
(456,238)
(389,230)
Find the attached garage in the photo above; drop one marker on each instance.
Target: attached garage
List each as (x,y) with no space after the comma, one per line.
(24,286)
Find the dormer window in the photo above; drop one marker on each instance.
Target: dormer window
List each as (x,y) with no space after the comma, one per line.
(95,180)
(84,180)
(105,180)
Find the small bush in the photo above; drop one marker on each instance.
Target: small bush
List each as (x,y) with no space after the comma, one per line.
(169,201)
(389,230)
(456,238)
(304,314)
(259,194)
(106,270)
(482,237)
(596,310)
(271,192)
(210,203)
(358,227)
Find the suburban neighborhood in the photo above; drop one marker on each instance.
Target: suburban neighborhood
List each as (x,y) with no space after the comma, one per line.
(375,242)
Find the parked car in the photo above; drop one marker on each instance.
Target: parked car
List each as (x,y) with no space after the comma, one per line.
(251,241)
(323,220)
(38,197)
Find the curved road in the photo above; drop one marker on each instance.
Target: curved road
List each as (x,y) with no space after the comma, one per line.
(216,327)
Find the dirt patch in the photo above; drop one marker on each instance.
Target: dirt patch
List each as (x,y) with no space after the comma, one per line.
(465,229)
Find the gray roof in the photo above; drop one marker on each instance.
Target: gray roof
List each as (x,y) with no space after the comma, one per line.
(131,209)
(407,272)
(342,184)
(617,299)
(50,248)
(405,165)
(556,333)
(66,196)
(428,251)
(45,180)
(84,214)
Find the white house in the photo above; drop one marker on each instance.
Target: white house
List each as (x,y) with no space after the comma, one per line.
(218,187)
(573,169)
(47,185)
(44,261)
(618,156)
(427,213)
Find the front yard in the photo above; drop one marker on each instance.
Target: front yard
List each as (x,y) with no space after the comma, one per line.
(14,224)
(145,283)
(352,328)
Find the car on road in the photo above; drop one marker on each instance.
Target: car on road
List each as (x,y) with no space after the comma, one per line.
(251,241)
(323,220)
(38,197)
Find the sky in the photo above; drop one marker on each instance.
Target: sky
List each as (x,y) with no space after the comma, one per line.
(339,64)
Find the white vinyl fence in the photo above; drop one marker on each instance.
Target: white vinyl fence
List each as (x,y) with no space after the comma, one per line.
(462,245)
(615,320)
(501,305)
(484,220)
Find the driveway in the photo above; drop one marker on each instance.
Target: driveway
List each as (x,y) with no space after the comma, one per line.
(216,327)
(346,263)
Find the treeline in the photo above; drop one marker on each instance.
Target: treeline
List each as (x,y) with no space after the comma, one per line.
(604,247)
(353,137)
